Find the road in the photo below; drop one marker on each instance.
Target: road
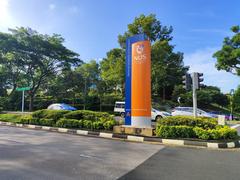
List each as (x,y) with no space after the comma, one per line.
(30,154)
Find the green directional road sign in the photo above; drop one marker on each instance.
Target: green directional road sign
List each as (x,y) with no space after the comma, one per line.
(23,89)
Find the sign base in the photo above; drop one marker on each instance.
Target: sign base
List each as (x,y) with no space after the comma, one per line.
(123,129)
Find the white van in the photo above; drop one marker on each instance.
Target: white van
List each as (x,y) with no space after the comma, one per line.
(156,114)
(120,108)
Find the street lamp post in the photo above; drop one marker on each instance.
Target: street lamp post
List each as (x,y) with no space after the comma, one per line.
(231,103)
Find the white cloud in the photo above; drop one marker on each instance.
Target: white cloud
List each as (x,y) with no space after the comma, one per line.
(202,61)
(52,7)
(6,19)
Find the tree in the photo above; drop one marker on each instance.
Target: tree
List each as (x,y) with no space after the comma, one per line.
(112,69)
(228,57)
(167,65)
(167,69)
(205,96)
(148,25)
(236,100)
(90,74)
(35,56)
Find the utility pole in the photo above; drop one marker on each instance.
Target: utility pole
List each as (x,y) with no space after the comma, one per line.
(231,103)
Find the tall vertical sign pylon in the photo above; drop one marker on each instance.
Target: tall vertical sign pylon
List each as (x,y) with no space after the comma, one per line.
(138,82)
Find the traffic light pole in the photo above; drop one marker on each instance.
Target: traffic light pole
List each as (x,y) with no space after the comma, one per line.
(194,88)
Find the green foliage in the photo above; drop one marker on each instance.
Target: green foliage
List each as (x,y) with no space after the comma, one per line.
(113,69)
(216,134)
(148,25)
(202,133)
(228,56)
(108,125)
(88,124)
(203,122)
(49,114)
(206,96)
(69,123)
(174,131)
(88,115)
(31,58)
(188,127)
(36,121)
(12,117)
(236,100)
(220,133)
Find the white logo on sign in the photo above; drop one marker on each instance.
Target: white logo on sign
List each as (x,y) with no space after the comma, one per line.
(140,49)
(141,56)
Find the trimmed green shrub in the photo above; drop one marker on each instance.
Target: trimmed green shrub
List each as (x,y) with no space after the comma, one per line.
(203,122)
(202,133)
(108,125)
(97,125)
(46,122)
(221,132)
(49,114)
(228,133)
(87,124)
(25,120)
(35,121)
(69,123)
(12,117)
(174,131)
(216,134)
(89,115)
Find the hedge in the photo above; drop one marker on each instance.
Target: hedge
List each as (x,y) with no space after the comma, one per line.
(175,131)
(221,132)
(35,121)
(88,115)
(203,122)
(87,124)
(15,118)
(69,123)
(49,114)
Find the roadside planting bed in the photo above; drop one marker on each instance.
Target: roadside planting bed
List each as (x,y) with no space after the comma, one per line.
(199,128)
(81,119)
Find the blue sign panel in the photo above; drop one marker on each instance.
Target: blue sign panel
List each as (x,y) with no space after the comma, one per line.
(128,74)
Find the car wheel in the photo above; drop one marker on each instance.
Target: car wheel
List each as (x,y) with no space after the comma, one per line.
(122,114)
(158,118)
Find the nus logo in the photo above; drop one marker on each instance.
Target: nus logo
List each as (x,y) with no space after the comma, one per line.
(140,56)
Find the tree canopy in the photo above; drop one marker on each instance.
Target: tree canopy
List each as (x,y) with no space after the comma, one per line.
(228,57)
(32,58)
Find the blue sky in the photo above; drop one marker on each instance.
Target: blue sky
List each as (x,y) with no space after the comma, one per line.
(91,27)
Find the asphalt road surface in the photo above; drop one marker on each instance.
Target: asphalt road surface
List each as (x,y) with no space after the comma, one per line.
(30,154)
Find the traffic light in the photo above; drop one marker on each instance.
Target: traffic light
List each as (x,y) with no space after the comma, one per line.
(187,81)
(199,80)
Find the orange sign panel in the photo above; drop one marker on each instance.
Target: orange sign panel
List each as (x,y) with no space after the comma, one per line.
(141,79)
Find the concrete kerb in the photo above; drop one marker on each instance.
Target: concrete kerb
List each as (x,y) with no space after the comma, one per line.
(132,138)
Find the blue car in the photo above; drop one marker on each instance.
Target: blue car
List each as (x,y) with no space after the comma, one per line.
(61,106)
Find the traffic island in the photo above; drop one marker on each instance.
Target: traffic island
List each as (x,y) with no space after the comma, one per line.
(132,138)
